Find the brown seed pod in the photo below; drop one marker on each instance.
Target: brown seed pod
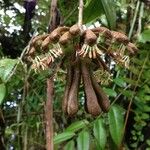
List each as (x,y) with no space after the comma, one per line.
(65,38)
(74,30)
(90,37)
(91,98)
(72,106)
(69,78)
(120,37)
(132,48)
(37,38)
(55,35)
(31,51)
(45,43)
(38,43)
(102,30)
(101,96)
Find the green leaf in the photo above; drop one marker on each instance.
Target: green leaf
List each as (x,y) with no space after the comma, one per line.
(110,92)
(63,137)
(8,131)
(144,36)
(127,93)
(136,61)
(95,8)
(130,81)
(134,70)
(92,11)
(116,123)
(6,66)
(83,140)
(70,145)
(100,134)
(148,142)
(87,3)
(142,106)
(109,9)
(77,125)
(2,92)
(120,82)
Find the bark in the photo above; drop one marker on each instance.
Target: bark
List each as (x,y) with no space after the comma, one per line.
(54,16)
(54,22)
(49,114)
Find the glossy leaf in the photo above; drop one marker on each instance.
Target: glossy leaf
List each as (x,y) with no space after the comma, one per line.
(130,81)
(92,11)
(63,137)
(2,92)
(77,125)
(100,134)
(6,66)
(70,145)
(83,140)
(120,82)
(87,3)
(109,9)
(127,93)
(116,123)
(134,70)
(95,8)
(144,36)
(110,92)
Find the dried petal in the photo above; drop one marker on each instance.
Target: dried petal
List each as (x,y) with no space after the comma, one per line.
(94,53)
(132,48)
(82,49)
(86,51)
(90,53)
(98,50)
(54,54)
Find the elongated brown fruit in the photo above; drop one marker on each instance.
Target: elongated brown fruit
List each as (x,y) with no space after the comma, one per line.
(102,30)
(32,51)
(101,96)
(55,35)
(65,38)
(91,99)
(120,37)
(39,37)
(72,106)
(90,37)
(69,78)
(45,42)
(74,30)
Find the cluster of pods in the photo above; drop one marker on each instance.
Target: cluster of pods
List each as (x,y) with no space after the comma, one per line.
(87,48)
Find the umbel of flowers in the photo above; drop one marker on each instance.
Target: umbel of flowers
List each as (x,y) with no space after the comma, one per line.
(82,54)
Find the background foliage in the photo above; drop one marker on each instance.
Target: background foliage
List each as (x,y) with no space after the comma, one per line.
(21,110)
